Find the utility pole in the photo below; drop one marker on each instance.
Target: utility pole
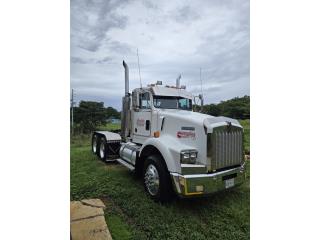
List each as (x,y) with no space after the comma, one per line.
(72,111)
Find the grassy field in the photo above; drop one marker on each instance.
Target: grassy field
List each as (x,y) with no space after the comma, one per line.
(131,214)
(109,127)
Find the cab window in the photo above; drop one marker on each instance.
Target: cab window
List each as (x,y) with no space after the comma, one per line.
(144,100)
(171,102)
(185,104)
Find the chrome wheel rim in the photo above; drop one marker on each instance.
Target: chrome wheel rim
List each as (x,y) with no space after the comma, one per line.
(102,150)
(94,144)
(151,180)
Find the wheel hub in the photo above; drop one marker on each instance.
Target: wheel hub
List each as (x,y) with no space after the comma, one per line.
(151,179)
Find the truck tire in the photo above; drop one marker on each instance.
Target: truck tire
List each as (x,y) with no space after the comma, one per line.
(156,179)
(94,143)
(102,150)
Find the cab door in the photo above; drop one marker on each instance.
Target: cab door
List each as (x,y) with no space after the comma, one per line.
(142,115)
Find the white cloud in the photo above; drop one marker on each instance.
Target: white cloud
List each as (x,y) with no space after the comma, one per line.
(172,36)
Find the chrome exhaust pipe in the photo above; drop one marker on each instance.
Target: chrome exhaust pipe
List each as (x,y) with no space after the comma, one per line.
(125,114)
(201,98)
(126,77)
(178,81)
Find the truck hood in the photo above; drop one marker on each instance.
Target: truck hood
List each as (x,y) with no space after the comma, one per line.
(199,119)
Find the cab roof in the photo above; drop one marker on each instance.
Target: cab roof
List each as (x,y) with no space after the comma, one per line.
(160,90)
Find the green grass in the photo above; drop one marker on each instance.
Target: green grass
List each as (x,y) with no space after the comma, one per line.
(131,214)
(246,125)
(109,127)
(119,228)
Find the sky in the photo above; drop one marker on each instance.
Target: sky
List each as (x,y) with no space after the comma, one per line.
(173,37)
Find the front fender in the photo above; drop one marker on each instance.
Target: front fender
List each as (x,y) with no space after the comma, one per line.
(170,149)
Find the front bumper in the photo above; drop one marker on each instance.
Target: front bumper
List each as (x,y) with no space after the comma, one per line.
(203,184)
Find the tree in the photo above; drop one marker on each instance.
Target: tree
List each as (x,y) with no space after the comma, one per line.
(238,107)
(89,115)
(212,109)
(111,112)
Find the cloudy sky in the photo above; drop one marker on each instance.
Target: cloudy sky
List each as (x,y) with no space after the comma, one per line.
(173,37)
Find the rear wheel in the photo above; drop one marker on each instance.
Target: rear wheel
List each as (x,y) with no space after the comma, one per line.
(94,143)
(157,181)
(102,149)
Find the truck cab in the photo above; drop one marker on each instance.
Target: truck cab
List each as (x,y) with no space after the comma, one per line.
(175,150)
(147,106)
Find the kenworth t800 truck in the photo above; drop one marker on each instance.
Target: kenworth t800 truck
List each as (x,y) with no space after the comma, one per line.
(174,149)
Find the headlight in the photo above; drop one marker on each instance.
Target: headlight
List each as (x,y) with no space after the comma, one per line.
(188,156)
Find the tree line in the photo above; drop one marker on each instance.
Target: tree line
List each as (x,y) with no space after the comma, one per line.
(89,114)
(238,108)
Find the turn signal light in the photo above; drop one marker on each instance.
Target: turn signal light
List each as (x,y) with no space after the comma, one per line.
(156,134)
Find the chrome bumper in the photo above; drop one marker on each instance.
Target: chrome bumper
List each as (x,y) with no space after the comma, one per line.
(202,184)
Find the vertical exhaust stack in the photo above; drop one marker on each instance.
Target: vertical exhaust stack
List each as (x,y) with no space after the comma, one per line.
(201,99)
(125,114)
(126,77)
(178,81)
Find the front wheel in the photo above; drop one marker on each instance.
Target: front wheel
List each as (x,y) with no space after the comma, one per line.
(156,179)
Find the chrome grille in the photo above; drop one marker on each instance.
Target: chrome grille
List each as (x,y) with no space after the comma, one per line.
(224,148)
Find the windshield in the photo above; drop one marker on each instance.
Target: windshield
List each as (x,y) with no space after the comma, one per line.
(172,102)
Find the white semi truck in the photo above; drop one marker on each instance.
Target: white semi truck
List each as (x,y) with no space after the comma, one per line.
(174,149)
